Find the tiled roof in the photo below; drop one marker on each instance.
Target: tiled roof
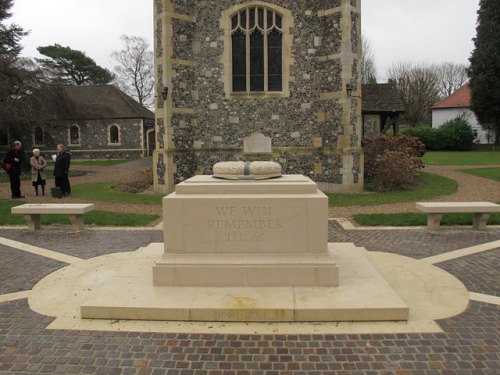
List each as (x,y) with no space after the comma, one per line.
(459,99)
(104,102)
(381,97)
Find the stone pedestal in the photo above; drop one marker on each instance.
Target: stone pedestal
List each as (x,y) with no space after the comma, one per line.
(246,233)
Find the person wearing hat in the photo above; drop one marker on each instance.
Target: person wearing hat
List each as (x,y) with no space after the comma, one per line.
(38,165)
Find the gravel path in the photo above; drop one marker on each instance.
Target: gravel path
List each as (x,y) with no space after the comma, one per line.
(96,174)
(470,189)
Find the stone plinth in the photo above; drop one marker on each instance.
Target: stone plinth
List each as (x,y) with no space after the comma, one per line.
(246,233)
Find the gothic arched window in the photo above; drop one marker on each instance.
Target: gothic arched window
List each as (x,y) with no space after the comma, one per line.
(257,50)
(114,134)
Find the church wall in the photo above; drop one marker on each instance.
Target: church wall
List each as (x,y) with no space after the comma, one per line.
(314,125)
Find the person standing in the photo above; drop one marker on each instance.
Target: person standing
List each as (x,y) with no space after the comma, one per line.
(61,169)
(12,163)
(38,165)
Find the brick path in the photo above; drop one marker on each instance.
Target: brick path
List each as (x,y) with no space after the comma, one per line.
(470,342)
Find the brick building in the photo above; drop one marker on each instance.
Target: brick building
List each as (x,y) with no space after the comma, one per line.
(284,68)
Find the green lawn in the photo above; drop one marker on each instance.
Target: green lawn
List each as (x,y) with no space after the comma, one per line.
(462,158)
(104,192)
(416,219)
(100,163)
(431,186)
(26,176)
(100,218)
(491,173)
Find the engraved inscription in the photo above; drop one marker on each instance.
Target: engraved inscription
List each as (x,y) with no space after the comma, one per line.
(244,224)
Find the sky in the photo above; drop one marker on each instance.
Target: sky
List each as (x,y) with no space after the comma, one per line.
(429,31)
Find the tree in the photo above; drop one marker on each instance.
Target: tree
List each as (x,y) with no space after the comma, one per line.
(450,77)
(418,89)
(134,69)
(10,35)
(67,66)
(368,68)
(485,65)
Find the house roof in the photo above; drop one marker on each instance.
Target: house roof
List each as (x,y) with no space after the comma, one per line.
(459,99)
(381,97)
(104,102)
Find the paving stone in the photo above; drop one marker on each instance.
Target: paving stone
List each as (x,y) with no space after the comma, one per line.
(479,273)
(20,270)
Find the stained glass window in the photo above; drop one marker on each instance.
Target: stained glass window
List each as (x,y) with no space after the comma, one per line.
(257,50)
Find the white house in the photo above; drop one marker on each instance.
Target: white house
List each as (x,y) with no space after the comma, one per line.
(459,104)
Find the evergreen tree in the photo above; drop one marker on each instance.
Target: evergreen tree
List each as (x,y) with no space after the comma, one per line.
(10,35)
(64,65)
(485,66)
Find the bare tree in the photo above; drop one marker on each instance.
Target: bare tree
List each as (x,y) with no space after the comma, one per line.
(451,77)
(134,69)
(368,68)
(417,85)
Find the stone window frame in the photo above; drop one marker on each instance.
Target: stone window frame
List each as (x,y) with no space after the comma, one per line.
(79,135)
(110,143)
(287,42)
(34,136)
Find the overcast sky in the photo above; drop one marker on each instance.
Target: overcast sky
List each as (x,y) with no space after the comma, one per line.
(399,30)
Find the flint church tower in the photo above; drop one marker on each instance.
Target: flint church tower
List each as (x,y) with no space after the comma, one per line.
(288,69)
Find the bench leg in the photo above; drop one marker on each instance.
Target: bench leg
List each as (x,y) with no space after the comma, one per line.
(33,221)
(434,221)
(76,222)
(480,221)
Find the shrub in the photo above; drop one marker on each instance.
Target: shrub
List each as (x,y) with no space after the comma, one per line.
(396,170)
(392,146)
(457,135)
(139,182)
(453,135)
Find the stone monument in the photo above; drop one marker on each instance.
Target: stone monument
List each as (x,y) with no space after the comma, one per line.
(248,246)
(247,230)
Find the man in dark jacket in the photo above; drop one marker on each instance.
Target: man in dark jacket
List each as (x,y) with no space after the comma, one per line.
(61,169)
(12,163)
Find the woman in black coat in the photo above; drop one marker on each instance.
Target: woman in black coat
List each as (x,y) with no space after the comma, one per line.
(61,170)
(12,163)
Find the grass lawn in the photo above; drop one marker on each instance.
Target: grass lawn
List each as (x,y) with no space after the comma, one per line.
(100,163)
(416,219)
(431,186)
(491,173)
(101,218)
(4,177)
(462,157)
(104,192)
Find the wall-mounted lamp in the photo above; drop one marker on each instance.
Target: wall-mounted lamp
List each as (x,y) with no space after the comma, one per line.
(349,89)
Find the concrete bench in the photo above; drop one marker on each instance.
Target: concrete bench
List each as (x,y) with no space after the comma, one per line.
(32,213)
(480,212)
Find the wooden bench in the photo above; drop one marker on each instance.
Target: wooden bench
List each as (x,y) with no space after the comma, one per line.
(480,212)
(32,213)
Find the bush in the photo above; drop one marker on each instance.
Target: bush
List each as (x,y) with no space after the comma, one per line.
(138,183)
(396,170)
(377,152)
(457,135)
(453,135)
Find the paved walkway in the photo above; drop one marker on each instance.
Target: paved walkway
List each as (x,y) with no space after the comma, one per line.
(469,343)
